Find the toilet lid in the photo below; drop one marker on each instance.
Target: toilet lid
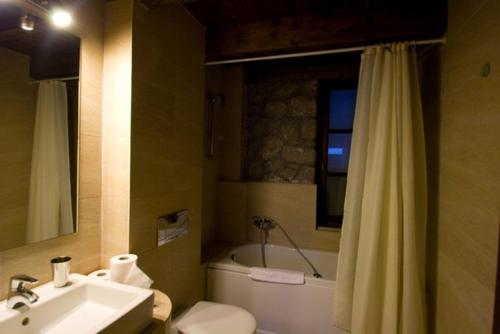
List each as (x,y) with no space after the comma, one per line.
(214,318)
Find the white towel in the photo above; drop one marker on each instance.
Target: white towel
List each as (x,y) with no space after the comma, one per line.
(277,275)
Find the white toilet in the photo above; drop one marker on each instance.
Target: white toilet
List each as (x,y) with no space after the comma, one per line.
(213,318)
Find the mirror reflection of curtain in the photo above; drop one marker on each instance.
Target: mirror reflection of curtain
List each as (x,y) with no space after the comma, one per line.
(50,211)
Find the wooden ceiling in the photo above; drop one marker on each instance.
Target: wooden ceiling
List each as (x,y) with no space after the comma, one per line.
(53,53)
(217,12)
(245,28)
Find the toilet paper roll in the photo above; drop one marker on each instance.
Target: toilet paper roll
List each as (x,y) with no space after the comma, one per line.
(138,278)
(124,269)
(103,274)
(120,267)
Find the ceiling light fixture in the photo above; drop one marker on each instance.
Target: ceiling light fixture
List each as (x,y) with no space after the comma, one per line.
(60,18)
(27,22)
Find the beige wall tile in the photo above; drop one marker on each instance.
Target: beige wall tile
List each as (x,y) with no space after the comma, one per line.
(209,202)
(229,136)
(293,206)
(116,129)
(17,103)
(115,227)
(167,146)
(117,64)
(89,156)
(225,165)
(213,85)
(145,210)
(115,167)
(463,286)
(231,212)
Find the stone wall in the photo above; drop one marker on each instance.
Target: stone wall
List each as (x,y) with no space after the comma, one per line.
(280,131)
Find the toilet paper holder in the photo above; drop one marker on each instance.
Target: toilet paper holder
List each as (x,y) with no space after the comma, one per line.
(172,226)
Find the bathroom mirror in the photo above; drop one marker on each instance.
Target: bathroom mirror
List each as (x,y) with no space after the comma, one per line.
(39,69)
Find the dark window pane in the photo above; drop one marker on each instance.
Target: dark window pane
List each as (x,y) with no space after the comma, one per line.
(339,145)
(342,105)
(335,189)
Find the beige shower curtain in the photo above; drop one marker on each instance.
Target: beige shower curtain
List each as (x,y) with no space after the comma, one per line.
(380,278)
(50,206)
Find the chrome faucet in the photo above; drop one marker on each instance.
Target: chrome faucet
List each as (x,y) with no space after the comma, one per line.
(18,293)
(264,223)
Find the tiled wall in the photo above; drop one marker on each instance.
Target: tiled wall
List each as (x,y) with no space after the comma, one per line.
(231,212)
(293,206)
(226,163)
(213,85)
(230,124)
(167,145)
(84,246)
(117,104)
(469,170)
(17,102)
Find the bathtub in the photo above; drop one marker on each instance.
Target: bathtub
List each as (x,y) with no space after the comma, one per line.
(278,308)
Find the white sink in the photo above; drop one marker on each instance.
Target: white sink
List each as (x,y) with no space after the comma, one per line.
(87,305)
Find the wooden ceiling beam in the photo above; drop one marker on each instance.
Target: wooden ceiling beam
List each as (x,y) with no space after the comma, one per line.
(315,32)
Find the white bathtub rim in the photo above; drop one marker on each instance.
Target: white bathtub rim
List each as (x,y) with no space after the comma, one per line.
(226,263)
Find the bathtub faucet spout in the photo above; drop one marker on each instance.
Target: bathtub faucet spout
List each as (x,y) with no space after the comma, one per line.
(264,223)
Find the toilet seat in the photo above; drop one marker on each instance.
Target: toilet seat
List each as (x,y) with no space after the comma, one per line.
(214,318)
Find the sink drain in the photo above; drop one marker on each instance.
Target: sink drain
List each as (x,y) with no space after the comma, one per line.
(25,321)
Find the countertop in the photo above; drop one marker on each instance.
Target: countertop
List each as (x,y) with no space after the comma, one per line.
(161,314)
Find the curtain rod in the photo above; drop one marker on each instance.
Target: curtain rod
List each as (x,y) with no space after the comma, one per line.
(57,79)
(315,53)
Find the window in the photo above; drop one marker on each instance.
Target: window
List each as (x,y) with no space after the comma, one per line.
(337,101)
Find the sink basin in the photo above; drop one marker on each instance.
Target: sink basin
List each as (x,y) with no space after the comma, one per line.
(86,305)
